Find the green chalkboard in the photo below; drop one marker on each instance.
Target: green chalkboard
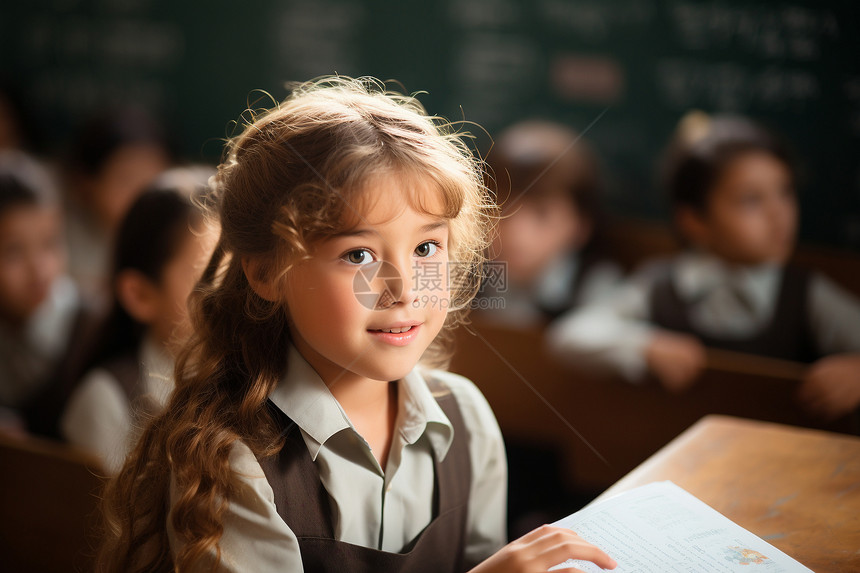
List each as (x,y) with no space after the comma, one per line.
(622,70)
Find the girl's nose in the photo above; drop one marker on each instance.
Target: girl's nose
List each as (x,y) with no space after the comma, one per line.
(392,283)
(407,271)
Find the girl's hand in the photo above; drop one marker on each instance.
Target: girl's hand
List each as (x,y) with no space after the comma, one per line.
(545,547)
(677,360)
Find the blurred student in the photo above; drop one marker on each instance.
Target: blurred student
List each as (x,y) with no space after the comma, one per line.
(548,183)
(39,305)
(158,257)
(732,187)
(113,158)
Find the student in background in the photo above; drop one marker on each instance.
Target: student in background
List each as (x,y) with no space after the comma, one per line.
(113,158)
(39,305)
(548,183)
(732,186)
(158,256)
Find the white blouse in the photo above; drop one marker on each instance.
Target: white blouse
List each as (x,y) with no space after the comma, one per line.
(98,416)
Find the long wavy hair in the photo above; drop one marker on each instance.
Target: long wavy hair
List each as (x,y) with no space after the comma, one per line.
(294,176)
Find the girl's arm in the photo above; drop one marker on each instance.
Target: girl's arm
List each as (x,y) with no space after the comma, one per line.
(255,539)
(486,526)
(97,419)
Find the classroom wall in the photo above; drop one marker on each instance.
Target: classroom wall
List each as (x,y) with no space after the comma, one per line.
(623,71)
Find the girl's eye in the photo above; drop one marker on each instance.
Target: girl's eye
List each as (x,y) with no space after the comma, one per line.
(427,249)
(358,257)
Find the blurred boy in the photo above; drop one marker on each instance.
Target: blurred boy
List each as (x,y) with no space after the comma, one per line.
(38,304)
(732,187)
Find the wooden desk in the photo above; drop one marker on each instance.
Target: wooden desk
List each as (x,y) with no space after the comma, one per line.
(799,489)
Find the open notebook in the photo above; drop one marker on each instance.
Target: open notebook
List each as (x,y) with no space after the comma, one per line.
(661,528)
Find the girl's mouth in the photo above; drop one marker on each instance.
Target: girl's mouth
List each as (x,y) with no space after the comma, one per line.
(396,336)
(395,330)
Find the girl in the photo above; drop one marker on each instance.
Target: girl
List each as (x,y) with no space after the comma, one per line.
(302,435)
(155,257)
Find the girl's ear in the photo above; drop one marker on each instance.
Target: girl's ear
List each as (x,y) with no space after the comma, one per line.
(138,295)
(258,278)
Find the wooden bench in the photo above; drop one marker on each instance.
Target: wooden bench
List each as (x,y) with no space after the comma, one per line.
(49,495)
(603,425)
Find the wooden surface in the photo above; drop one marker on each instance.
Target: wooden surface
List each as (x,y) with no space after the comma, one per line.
(799,489)
(49,496)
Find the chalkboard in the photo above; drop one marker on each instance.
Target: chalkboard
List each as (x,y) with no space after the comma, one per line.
(623,71)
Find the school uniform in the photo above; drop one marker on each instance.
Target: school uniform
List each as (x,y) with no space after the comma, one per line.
(569,281)
(104,413)
(774,310)
(28,356)
(325,502)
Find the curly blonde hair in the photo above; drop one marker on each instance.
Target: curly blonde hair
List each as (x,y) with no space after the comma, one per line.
(294,176)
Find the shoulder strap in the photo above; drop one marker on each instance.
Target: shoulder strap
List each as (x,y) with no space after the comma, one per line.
(126,370)
(454,473)
(300,497)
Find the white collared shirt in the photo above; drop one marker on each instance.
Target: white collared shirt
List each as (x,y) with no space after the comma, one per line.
(735,302)
(725,301)
(98,416)
(371,507)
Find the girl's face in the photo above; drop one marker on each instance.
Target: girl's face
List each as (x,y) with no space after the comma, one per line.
(370,301)
(162,306)
(751,216)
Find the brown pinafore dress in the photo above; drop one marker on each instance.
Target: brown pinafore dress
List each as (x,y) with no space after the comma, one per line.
(303,503)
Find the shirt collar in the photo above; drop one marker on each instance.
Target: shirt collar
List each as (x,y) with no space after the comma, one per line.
(303,396)
(697,273)
(420,413)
